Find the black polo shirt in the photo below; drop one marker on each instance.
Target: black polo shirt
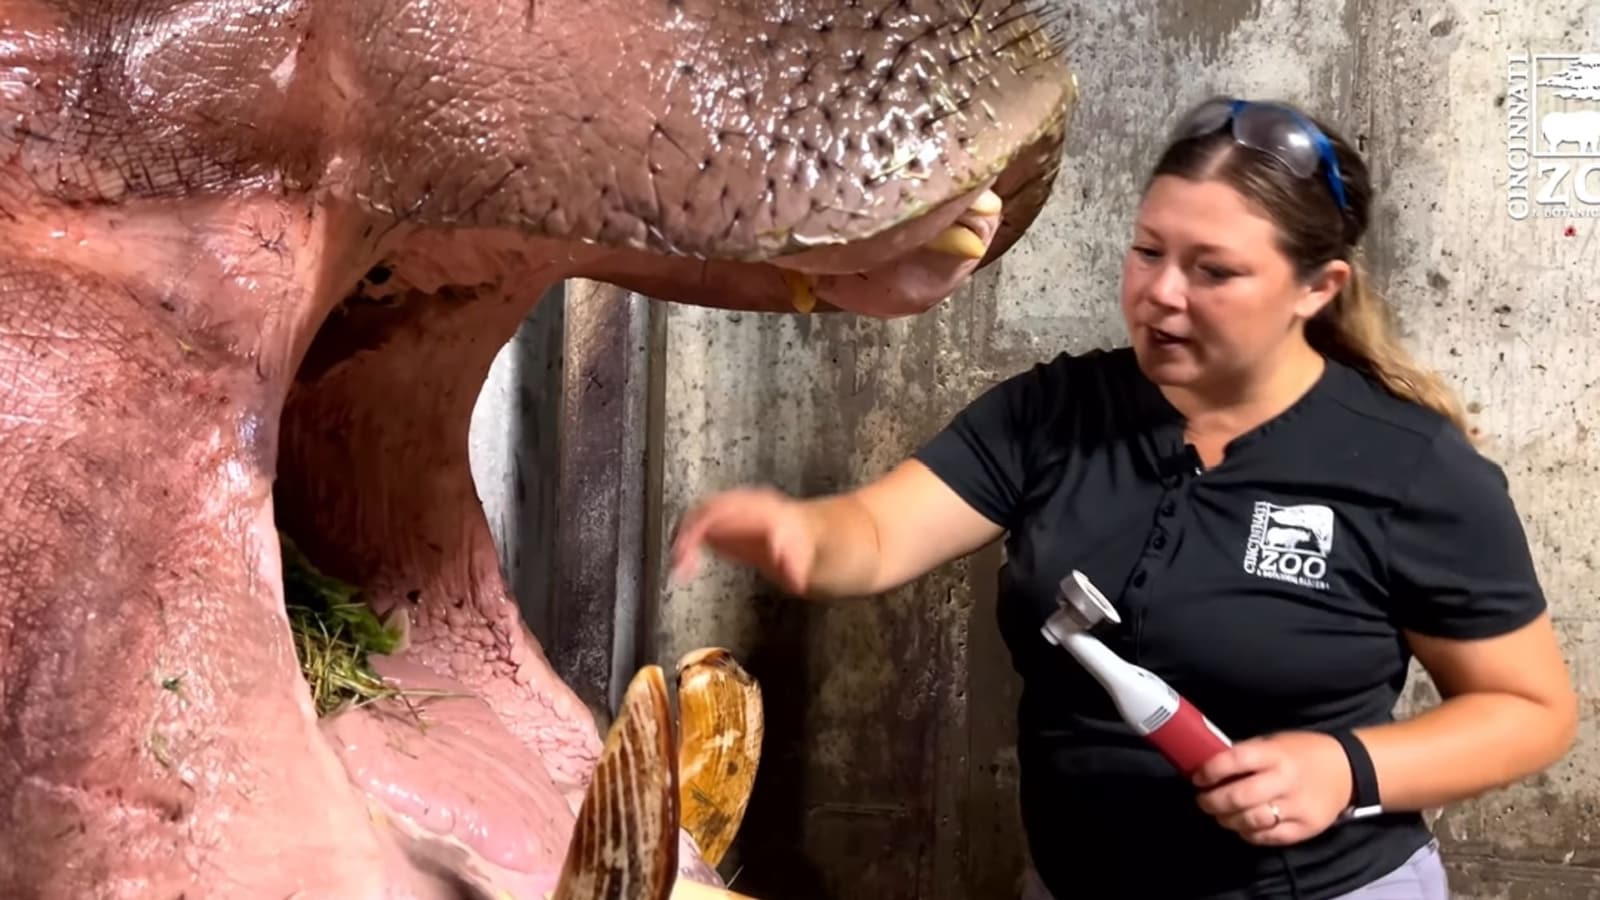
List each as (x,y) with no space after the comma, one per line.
(1270,590)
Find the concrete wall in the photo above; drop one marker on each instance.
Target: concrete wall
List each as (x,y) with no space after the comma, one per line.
(882,777)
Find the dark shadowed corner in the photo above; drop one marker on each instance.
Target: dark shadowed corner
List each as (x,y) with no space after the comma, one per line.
(529,553)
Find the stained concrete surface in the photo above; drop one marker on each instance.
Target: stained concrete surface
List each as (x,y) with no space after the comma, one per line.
(882,777)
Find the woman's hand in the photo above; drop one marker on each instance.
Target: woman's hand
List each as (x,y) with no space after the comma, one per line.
(854,543)
(760,527)
(1277,790)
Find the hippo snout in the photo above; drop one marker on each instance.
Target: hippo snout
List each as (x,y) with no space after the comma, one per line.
(255,261)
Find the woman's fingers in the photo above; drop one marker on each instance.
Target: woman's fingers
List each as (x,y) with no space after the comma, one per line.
(739,523)
(1244,794)
(1232,764)
(692,531)
(1261,817)
(1251,788)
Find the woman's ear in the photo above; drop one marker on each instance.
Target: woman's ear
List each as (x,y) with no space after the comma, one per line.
(1322,288)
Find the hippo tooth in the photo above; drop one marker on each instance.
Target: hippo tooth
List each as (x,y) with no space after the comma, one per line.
(398,620)
(800,294)
(958,240)
(987,204)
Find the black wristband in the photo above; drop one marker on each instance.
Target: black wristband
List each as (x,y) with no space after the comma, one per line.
(1364,800)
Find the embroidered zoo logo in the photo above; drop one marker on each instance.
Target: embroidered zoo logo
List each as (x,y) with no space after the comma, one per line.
(1553,135)
(1290,543)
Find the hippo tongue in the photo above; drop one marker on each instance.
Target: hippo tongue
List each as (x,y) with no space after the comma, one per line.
(453,781)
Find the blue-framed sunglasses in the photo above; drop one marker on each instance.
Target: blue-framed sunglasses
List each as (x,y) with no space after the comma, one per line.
(1274,129)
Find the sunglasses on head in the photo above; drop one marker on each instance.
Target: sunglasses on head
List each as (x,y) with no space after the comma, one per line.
(1272,128)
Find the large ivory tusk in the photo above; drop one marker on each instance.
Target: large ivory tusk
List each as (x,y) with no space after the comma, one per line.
(720,719)
(625,843)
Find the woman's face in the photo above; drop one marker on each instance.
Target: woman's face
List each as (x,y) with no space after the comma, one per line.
(1208,298)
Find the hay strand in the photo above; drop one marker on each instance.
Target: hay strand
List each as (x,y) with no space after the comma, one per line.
(335,633)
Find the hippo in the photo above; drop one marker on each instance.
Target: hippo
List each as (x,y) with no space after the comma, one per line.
(256,258)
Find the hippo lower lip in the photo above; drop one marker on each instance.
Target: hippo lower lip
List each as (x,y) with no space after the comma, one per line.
(255,261)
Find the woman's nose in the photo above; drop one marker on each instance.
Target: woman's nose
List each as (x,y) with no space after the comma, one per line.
(1168,288)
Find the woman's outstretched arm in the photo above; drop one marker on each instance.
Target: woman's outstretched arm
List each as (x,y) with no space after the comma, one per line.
(856,543)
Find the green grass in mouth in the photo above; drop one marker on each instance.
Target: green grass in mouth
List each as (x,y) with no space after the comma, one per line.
(335,633)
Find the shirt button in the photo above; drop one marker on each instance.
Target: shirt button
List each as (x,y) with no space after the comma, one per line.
(1160,540)
(1138,578)
(1168,508)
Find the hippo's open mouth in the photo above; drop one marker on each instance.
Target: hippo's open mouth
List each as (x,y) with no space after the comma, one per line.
(255,262)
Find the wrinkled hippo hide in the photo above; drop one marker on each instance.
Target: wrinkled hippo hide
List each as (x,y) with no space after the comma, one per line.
(256,257)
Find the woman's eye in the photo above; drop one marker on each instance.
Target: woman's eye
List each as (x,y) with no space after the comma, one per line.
(1147,252)
(1216,273)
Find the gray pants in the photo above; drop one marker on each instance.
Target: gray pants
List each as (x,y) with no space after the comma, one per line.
(1422,877)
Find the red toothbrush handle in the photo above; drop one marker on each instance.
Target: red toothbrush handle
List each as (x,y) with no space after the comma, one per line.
(1188,739)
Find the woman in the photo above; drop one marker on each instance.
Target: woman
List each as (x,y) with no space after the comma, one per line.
(1284,508)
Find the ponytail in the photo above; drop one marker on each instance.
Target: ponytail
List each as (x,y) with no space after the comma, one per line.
(1356,328)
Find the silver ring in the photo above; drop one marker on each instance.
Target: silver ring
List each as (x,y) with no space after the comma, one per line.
(1277,817)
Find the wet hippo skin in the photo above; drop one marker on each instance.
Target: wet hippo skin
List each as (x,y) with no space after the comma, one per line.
(255,261)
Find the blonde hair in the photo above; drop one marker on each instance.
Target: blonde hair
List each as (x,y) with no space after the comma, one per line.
(1357,328)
